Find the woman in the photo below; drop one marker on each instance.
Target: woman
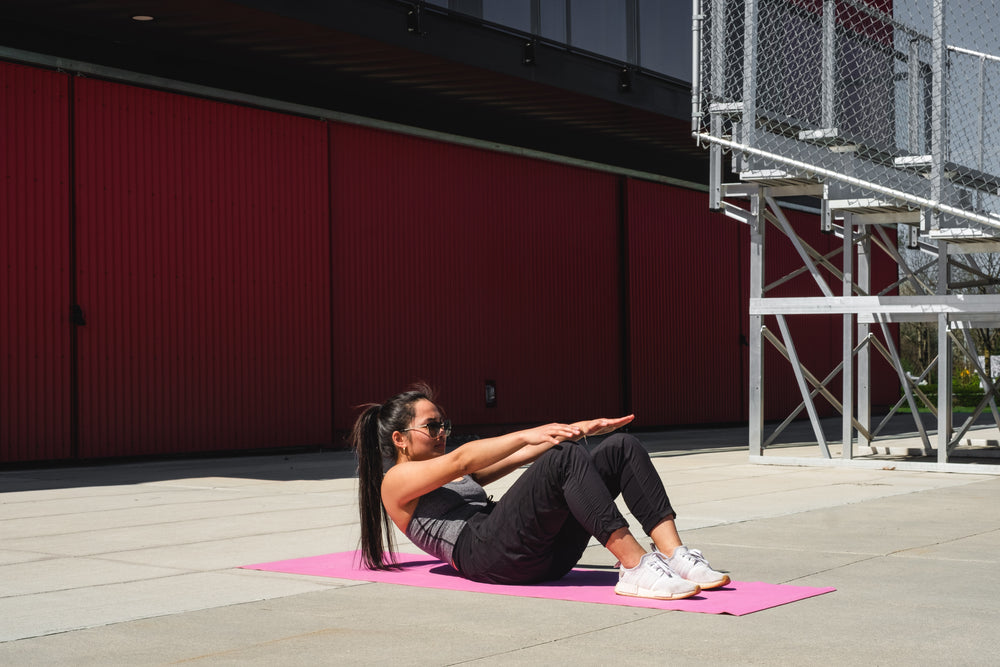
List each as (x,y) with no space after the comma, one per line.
(540,527)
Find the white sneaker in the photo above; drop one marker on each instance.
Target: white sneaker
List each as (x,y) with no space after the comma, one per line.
(653,578)
(692,566)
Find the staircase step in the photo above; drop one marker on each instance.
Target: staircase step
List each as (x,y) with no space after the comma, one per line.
(956,173)
(831,138)
(917,162)
(726,108)
(968,240)
(776,178)
(876,211)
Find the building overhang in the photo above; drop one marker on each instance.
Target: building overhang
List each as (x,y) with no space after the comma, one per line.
(442,72)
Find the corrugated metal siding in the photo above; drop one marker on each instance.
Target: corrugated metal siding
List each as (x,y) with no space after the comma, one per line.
(34,265)
(686,311)
(203,252)
(204,267)
(455,266)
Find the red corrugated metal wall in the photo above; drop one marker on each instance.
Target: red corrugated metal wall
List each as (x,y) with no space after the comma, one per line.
(34,265)
(686,309)
(203,247)
(455,266)
(213,243)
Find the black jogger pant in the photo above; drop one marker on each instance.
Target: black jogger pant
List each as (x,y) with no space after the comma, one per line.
(540,527)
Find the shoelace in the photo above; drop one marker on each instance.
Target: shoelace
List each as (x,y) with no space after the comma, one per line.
(696,556)
(660,564)
(664,564)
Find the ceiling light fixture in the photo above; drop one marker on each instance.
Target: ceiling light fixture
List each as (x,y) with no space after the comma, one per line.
(142,17)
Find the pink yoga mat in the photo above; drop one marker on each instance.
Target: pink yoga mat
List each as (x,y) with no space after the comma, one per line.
(737,598)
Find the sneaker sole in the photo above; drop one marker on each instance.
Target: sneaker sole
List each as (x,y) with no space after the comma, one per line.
(715,584)
(648,596)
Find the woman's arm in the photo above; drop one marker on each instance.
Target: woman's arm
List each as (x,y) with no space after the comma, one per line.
(529,453)
(405,482)
(505,466)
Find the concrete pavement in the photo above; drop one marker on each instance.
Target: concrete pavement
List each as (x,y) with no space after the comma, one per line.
(137,564)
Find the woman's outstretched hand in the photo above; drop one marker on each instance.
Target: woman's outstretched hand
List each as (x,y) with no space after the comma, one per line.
(603,425)
(553,434)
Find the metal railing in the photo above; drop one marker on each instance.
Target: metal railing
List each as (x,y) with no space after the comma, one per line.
(840,90)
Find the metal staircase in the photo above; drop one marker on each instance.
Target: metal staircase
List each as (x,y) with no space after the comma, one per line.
(869,110)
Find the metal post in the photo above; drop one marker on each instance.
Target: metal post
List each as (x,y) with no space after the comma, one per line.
(939,116)
(864,397)
(847,372)
(944,389)
(697,19)
(756,366)
(916,97)
(717,46)
(715,165)
(716,92)
(829,62)
(749,123)
(944,360)
(980,115)
(980,131)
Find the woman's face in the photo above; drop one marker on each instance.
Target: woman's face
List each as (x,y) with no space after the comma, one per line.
(420,446)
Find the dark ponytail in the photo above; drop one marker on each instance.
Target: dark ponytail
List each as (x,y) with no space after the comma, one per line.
(371,439)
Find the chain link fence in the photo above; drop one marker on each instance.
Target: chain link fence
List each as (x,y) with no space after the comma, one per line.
(897,100)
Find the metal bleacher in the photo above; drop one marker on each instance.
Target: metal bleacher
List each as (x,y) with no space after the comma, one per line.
(880,115)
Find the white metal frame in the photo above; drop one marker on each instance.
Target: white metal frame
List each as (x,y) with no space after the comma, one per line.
(860,222)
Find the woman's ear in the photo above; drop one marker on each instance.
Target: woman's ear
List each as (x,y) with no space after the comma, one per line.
(398,440)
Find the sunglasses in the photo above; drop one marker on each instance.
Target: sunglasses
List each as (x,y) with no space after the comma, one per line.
(434,427)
